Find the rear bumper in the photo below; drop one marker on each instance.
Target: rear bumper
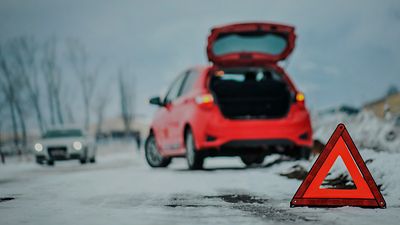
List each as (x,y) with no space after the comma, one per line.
(249,147)
(221,133)
(48,158)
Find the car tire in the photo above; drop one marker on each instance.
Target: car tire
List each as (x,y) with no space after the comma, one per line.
(83,160)
(92,160)
(250,160)
(50,162)
(194,158)
(152,154)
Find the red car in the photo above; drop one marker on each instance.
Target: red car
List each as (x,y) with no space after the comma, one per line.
(244,104)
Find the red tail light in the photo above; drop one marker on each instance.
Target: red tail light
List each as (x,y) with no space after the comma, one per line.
(205,100)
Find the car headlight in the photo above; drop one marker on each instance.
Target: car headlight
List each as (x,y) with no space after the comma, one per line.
(38,147)
(77,145)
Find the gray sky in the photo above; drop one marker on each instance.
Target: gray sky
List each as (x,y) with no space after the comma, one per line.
(346,51)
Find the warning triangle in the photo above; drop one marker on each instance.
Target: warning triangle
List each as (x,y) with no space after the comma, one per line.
(366,193)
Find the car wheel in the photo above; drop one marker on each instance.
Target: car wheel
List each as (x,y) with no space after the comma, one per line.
(83,160)
(50,162)
(92,160)
(152,154)
(194,158)
(250,160)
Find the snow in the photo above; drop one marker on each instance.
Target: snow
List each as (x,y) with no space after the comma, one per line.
(367,130)
(121,189)
(369,134)
(384,169)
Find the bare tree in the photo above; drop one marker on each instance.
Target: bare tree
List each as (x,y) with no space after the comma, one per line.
(52,76)
(101,101)
(12,88)
(127,98)
(8,91)
(21,118)
(68,107)
(87,75)
(24,51)
(99,107)
(2,107)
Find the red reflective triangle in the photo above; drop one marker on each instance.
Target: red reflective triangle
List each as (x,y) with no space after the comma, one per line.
(366,193)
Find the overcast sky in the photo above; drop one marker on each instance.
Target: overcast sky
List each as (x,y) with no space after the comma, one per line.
(346,51)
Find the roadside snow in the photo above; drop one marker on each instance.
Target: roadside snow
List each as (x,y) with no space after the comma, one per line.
(370,135)
(384,168)
(367,130)
(121,189)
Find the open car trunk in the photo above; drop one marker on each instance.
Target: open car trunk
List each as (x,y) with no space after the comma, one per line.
(250,44)
(250,93)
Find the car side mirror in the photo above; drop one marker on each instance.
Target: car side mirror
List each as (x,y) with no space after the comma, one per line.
(156,101)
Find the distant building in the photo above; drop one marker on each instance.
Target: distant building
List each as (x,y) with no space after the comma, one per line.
(389,104)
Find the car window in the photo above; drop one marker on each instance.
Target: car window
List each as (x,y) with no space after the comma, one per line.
(175,88)
(267,43)
(189,81)
(63,133)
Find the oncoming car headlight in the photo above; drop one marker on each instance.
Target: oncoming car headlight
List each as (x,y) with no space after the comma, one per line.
(77,145)
(38,147)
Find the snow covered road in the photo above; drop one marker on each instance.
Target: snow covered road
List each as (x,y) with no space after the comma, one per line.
(121,189)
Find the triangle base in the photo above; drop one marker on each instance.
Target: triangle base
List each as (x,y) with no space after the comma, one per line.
(336,202)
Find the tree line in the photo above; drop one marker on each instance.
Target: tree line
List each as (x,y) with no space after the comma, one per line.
(42,81)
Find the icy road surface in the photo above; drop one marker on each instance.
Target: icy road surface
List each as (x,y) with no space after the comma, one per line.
(121,189)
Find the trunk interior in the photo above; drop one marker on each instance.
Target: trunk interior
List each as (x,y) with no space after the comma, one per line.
(250,93)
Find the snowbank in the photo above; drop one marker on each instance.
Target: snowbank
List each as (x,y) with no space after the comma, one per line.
(381,154)
(367,130)
(384,169)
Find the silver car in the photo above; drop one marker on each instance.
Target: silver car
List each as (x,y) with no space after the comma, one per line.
(65,144)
